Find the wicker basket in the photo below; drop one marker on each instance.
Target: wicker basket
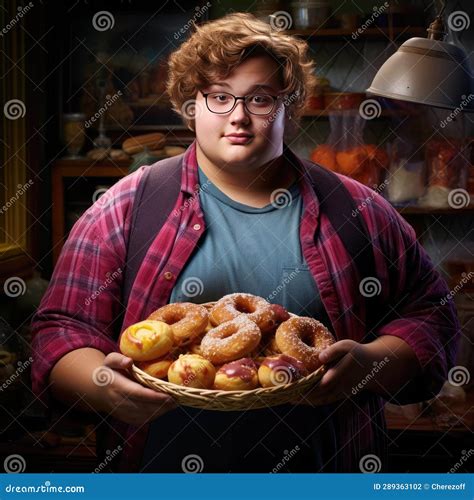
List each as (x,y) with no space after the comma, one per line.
(209,399)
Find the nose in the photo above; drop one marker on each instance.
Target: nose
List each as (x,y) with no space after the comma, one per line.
(239,114)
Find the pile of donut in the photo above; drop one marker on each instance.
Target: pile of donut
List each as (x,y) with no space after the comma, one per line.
(242,342)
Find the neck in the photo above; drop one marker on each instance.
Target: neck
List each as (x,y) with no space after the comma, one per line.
(263,179)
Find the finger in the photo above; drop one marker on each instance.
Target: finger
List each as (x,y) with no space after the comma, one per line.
(118,361)
(335,351)
(133,390)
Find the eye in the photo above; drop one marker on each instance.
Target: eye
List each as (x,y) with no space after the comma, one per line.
(260,99)
(220,98)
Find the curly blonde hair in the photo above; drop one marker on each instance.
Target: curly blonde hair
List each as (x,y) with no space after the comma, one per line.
(217,47)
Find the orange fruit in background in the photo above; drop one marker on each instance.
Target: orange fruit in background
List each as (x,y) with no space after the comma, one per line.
(326,156)
(351,160)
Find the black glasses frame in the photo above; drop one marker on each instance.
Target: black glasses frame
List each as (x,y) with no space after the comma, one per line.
(240,98)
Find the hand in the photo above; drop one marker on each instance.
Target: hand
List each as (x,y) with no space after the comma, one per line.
(127,400)
(347,364)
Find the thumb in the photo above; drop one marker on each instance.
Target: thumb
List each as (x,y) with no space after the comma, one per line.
(118,361)
(336,351)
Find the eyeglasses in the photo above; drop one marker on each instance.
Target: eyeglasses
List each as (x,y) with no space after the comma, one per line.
(256,104)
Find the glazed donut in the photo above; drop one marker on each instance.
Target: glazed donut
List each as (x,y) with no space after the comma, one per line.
(192,370)
(255,308)
(231,340)
(187,320)
(239,375)
(280,370)
(146,340)
(292,335)
(157,368)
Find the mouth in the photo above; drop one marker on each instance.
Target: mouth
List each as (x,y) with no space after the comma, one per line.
(239,138)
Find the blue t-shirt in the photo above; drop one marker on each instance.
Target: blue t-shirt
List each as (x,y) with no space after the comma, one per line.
(252,250)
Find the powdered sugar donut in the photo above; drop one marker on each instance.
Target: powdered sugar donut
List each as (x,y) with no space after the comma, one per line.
(231,340)
(187,320)
(303,338)
(254,308)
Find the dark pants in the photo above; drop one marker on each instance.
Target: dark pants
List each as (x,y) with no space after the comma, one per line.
(284,438)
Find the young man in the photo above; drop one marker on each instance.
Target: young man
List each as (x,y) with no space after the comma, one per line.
(247,85)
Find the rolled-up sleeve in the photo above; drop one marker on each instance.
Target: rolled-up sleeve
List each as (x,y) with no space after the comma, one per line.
(82,305)
(422,313)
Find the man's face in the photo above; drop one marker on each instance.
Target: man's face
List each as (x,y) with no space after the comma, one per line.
(264,134)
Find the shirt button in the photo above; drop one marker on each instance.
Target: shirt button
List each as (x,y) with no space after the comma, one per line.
(197,227)
(168,276)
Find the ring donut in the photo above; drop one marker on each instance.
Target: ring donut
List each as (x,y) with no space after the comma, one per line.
(253,307)
(303,338)
(231,340)
(187,320)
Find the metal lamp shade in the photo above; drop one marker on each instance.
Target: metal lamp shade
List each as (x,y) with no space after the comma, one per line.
(426,71)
